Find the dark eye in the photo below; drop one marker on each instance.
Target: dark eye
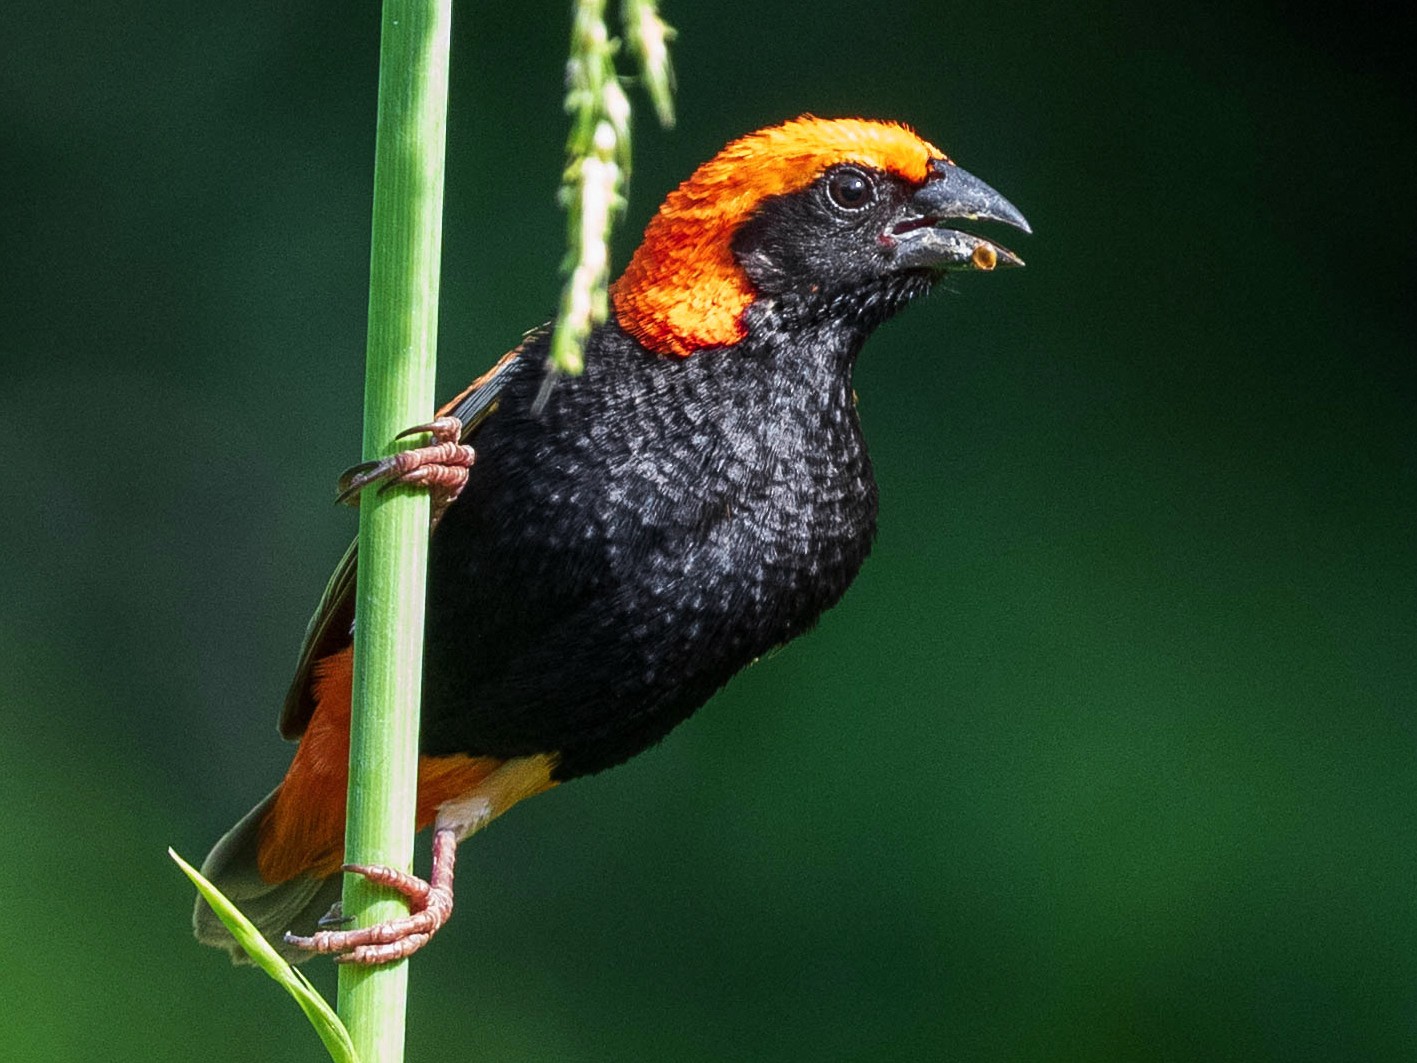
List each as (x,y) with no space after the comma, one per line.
(850,189)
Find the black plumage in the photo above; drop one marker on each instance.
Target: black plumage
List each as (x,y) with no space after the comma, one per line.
(629,539)
(620,553)
(622,550)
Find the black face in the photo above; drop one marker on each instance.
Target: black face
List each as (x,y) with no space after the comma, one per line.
(857,244)
(827,240)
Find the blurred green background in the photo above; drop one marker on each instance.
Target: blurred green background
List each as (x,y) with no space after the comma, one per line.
(1109,754)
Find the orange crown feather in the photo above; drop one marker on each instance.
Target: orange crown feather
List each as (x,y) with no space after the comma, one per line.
(683,291)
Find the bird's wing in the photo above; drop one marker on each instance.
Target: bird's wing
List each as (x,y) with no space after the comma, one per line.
(331,628)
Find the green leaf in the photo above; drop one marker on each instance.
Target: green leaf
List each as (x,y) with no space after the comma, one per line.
(321,1015)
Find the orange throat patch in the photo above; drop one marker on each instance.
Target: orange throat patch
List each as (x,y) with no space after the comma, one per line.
(683,290)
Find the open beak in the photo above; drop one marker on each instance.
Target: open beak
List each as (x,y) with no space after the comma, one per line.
(922,238)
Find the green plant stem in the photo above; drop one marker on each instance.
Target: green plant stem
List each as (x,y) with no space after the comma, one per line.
(393,525)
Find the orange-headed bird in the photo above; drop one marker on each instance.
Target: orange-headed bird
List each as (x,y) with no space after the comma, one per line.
(626,542)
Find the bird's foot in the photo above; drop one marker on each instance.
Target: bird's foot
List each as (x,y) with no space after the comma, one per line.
(431,903)
(441,466)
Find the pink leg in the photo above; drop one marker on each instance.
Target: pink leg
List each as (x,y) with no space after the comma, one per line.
(441,466)
(431,901)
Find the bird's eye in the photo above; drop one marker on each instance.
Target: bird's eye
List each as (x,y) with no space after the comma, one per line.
(849,189)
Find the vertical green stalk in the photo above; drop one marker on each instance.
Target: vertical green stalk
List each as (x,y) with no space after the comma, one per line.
(393,526)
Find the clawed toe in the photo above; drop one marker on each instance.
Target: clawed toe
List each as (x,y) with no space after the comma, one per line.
(411,886)
(431,903)
(442,466)
(384,942)
(334,917)
(442,429)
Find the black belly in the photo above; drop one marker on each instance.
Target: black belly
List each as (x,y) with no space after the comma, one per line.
(618,557)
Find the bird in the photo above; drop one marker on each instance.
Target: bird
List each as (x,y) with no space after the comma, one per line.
(606,554)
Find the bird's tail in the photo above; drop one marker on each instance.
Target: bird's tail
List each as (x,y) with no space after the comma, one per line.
(275,907)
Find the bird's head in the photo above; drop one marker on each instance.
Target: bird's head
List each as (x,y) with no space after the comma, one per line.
(823,214)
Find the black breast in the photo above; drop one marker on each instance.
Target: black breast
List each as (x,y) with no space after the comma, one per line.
(617,556)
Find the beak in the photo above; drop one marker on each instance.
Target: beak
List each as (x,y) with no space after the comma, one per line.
(923,242)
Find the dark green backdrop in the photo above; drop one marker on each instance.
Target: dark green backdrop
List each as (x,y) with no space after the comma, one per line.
(1109,755)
